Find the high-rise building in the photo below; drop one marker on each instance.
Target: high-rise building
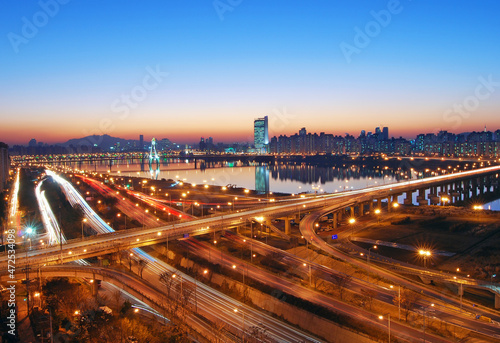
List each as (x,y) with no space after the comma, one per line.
(141,142)
(261,135)
(4,165)
(385,133)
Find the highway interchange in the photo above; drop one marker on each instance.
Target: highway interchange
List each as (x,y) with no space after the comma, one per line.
(108,240)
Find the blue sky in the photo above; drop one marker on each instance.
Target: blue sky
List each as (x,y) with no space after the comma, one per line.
(264,57)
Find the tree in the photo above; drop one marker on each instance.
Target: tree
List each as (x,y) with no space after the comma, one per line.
(257,334)
(219,330)
(141,265)
(368,296)
(341,281)
(407,301)
(167,280)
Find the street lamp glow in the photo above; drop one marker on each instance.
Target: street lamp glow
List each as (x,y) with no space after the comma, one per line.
(352,221)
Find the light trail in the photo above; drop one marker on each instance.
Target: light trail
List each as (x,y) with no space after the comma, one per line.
(56,236)
(208,298)
(14,197)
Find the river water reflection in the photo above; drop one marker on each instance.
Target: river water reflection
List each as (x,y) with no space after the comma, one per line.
(263,178)
(281,178)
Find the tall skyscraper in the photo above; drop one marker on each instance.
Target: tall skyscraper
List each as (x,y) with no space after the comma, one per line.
(141,142)
(4,165)
(385,133)
(261,135)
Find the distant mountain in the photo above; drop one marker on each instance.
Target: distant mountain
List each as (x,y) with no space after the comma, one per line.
(104,142)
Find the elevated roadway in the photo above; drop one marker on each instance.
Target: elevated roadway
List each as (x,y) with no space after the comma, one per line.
(106,243)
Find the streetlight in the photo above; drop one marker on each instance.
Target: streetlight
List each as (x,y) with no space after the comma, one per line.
(352,221)
(174,276)
(425,254)
(399,300)
(424,308)
(444,200)
(243,316)
(388,324)
(144,218)
(369,252)
(377,212)
(125,217)
(29,231)
(83,222)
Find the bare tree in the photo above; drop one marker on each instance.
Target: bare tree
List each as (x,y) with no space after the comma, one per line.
(141,265)
(407,300)
(219,330)
(117,298)
(257,334)
(167,279)
(368,296)
(341,281)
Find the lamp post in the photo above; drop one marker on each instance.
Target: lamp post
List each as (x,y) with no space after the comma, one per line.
(399,300)
(424,308)
(424,254)
(29,231)
(444,200)
(144,218)
(125,217)
(377,212)
(83,222)
(243,323)
(369,252)
(388,324)
(180,276)
(352,221)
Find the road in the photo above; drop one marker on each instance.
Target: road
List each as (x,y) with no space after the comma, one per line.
(462,319)
(210,303)
(201,226)
(278,282)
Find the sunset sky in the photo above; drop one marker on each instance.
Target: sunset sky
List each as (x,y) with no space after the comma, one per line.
(195,68)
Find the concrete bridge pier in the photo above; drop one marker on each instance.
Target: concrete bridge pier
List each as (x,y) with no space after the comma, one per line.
(340,215)
(408,198)
(352,211)
(335,223)
(361,211)
(94,286)
(466,190)
(268,224)
(497,300)
(389,205)
(370,208)
(288,229)
(422,201)
(481,186)
(474,187)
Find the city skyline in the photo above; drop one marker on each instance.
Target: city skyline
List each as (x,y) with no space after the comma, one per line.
(184,71)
